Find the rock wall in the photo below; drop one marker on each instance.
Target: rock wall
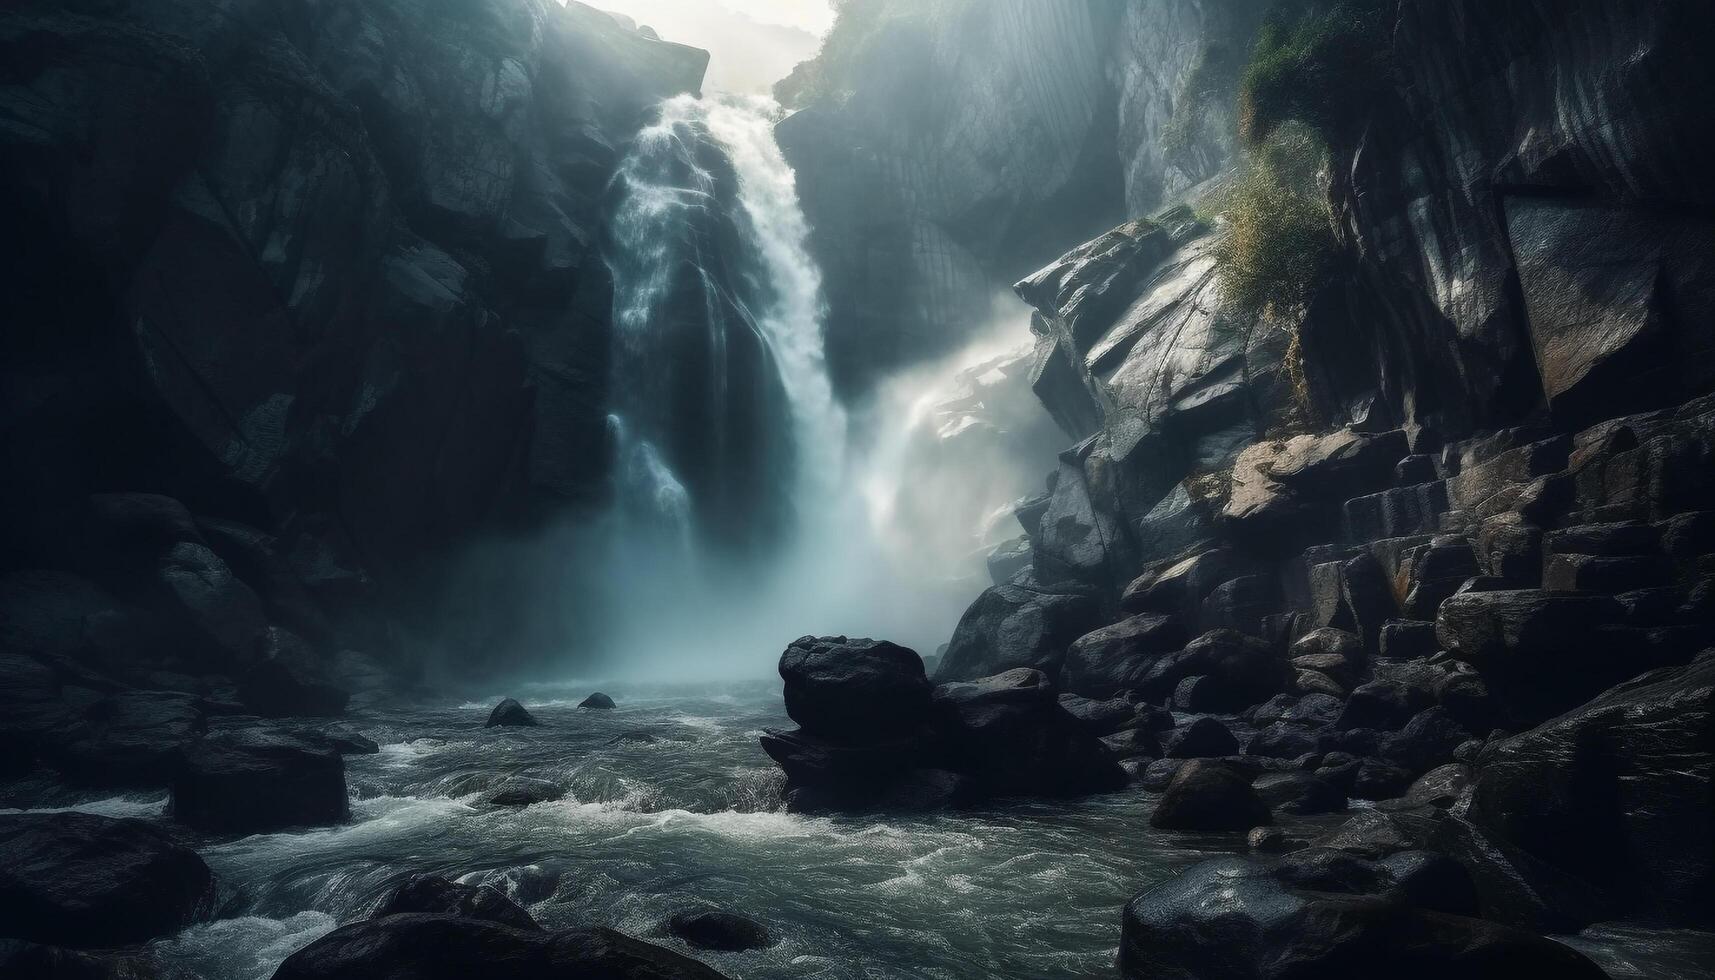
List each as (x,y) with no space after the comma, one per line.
(944,149)
(327,271)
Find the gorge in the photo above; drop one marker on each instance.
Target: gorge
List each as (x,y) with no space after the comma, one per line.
(1063,488)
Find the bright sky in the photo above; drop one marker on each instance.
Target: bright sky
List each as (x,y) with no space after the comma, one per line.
(751,43)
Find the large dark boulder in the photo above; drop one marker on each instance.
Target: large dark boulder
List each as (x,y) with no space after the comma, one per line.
(1015,626)
(1541,652)
(843,688)
(435,895)
(429,947)
(1299,793)
(1426,741)
(1207,795)
(726,932)
(1115,658)
(1230,917)
(842,774)
(1009,734)
(1617,793)
(1247,670)
(510,714)
(258,780)
(1383,705)
(76,879)
(1201,738)
(132,738)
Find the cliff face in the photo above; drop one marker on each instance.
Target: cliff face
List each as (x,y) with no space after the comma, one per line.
(943,149)
(330,270)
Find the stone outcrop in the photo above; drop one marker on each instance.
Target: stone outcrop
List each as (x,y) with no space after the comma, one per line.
(943,148)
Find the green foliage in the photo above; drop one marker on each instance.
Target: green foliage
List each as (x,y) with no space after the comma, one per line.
(1320,62)
(1279,247)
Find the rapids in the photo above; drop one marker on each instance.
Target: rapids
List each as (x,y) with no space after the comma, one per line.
(1025,890)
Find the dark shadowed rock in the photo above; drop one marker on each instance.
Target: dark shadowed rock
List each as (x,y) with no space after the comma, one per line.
(597,700)
(1009,734)
(258,780)
(432,894)
(76,879)
(1116,658)
(1616,792)
(1246,670)
(432,947)
(1284,740)
(1299,793)
(1432,881)
(1428,740)
(1383,705)
(1406,640)
(856,688)
(1441,786)
(1209,796)
(1133,743)
(520,791)
(1014,626)
(726,932)
(510,714)
(1100,717)
(128,739)
(1380,780)
(1203,738)
(1230,917)
(286,677)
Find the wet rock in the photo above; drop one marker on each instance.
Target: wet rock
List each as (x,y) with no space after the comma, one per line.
(1232,917)
(858,688)
(132,738)
(1203,738)
(1379,780)
(726,932)
(1435,573)
(1383,705)
(1368,596)
(432,894)
(1014,626)
(1244,670)
(517,791)
(76,879)
(36,962)
(1468,700)
(1207,795)
(597,700)
(1593,573)
(1315,710)
(1180,588)
(1375,833)
(1155,776)
(1541,652)
(448,946)
(1116,658)
(1441,786)
(510,714)
(1284,740)
(1100,717)
(1009,735)
(1268,840)
(1133,743)
(1426,741)
(841,773)
(258,780)
(285,677)
(1432,881)
(1242,604)
(1616,792)
(1299,793)
(1510,548)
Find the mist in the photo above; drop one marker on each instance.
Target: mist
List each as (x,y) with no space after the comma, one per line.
(751,43)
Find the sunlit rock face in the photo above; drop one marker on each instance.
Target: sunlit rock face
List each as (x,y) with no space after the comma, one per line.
(332,271)
(947,148)
(1528,195)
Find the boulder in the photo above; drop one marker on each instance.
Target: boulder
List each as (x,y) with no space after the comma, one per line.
(1368,596)
(597,700)
(842,773)
(1231,917)
(1206,795)
(1441,786)
(132,738)
(1100,717)
(432,947)
(1010,736)
(1116,658)
(1380,780)
(1203,738)
(1245,670)
(1284,740)
(1541,652)
(520,791)
(1616,792)
(843,688)
(258,780)
(1299,793)
(713,929)
(1403,639)
(432,894)
(81,880)
(510,714)
(1383,705)
(1015,626)
(1432,881)
(1510,548)
(1428,740)
(1133,743)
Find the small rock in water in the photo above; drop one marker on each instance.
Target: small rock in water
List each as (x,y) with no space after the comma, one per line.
(435,895)
(1268,840)
(724,931)
(521,791)
(509,713)
(596,700)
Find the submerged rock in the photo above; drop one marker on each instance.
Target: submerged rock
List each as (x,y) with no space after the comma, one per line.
(452,947)
(436,895)
(596,700)
(726,932)
(77,879)
(521,791)
(509,713)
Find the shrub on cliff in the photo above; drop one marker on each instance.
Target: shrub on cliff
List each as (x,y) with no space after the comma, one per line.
(1279,248)
(1321,62)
